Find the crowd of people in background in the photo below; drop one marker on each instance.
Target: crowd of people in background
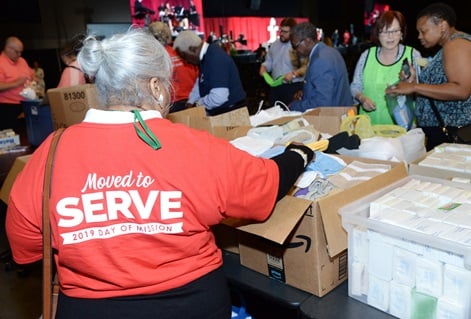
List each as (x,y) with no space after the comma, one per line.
(302,69)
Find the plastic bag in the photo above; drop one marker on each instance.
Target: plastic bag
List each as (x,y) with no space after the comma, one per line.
(275,112)
(406,147)
(359,125)
(238,311)
(401,108)
(388,130)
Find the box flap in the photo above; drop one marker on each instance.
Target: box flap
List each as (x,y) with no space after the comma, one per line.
(280,120)
(18,165)
(184,116)
(230,132)
(328,119)
(329,206)
(325,124)
(287,213)
(330,111)
(196,118)
(238,117)
(325,119)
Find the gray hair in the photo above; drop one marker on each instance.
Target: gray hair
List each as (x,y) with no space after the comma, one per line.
(185,40)
(304,30)
(123,65)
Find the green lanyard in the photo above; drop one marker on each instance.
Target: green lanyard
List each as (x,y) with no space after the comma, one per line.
(146,135)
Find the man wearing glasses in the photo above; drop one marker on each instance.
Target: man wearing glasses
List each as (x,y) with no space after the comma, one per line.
(283,62)
(326,79)
(15,73)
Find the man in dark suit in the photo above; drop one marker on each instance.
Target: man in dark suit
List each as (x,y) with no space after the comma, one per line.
(326,79)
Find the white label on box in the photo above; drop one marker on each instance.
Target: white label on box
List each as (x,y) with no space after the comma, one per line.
(9,141)
(275,261)
(275,268)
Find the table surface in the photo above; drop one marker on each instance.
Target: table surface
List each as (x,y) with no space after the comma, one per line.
(334,305)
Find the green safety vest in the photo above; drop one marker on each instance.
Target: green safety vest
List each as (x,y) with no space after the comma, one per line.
(376,77)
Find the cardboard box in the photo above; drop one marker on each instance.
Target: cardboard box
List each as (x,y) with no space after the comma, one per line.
(17,166)
(453,161)
(303,242)
(228,125)
(409,272)
(69,104)
(324,119)
(237,123)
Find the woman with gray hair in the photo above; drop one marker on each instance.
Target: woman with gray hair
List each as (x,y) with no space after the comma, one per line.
(131,219)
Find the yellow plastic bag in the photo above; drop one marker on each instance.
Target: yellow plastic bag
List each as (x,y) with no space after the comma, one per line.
(389,130)
(359,125)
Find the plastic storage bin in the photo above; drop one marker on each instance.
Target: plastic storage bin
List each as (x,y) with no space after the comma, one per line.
(38,121)
(403,271)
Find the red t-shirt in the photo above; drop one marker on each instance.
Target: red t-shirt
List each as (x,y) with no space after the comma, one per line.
(184,76)
(130,220)
(10,71)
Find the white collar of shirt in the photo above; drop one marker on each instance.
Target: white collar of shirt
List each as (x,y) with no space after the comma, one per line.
(117,117)
(204,48)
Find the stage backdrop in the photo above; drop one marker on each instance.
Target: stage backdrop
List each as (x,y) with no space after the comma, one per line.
(156,12)
(256,30)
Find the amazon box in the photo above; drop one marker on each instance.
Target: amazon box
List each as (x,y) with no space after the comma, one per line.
(69,104)
(303,242)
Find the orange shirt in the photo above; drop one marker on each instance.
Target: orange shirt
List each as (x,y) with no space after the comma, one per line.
(9,72)
(183,77)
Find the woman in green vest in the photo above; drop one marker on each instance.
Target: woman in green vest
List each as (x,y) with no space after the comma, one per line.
(380,66)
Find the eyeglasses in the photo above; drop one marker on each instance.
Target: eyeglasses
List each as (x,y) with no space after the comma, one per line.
(391,32)
(295,46)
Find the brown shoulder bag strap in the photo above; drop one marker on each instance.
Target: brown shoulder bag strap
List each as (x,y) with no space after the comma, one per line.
(48,261)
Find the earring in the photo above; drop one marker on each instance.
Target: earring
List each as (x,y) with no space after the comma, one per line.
(160,99)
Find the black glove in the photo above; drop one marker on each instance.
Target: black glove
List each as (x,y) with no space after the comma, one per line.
(303,149)
(342,139)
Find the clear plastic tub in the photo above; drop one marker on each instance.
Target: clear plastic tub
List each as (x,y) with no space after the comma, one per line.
(404,272)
